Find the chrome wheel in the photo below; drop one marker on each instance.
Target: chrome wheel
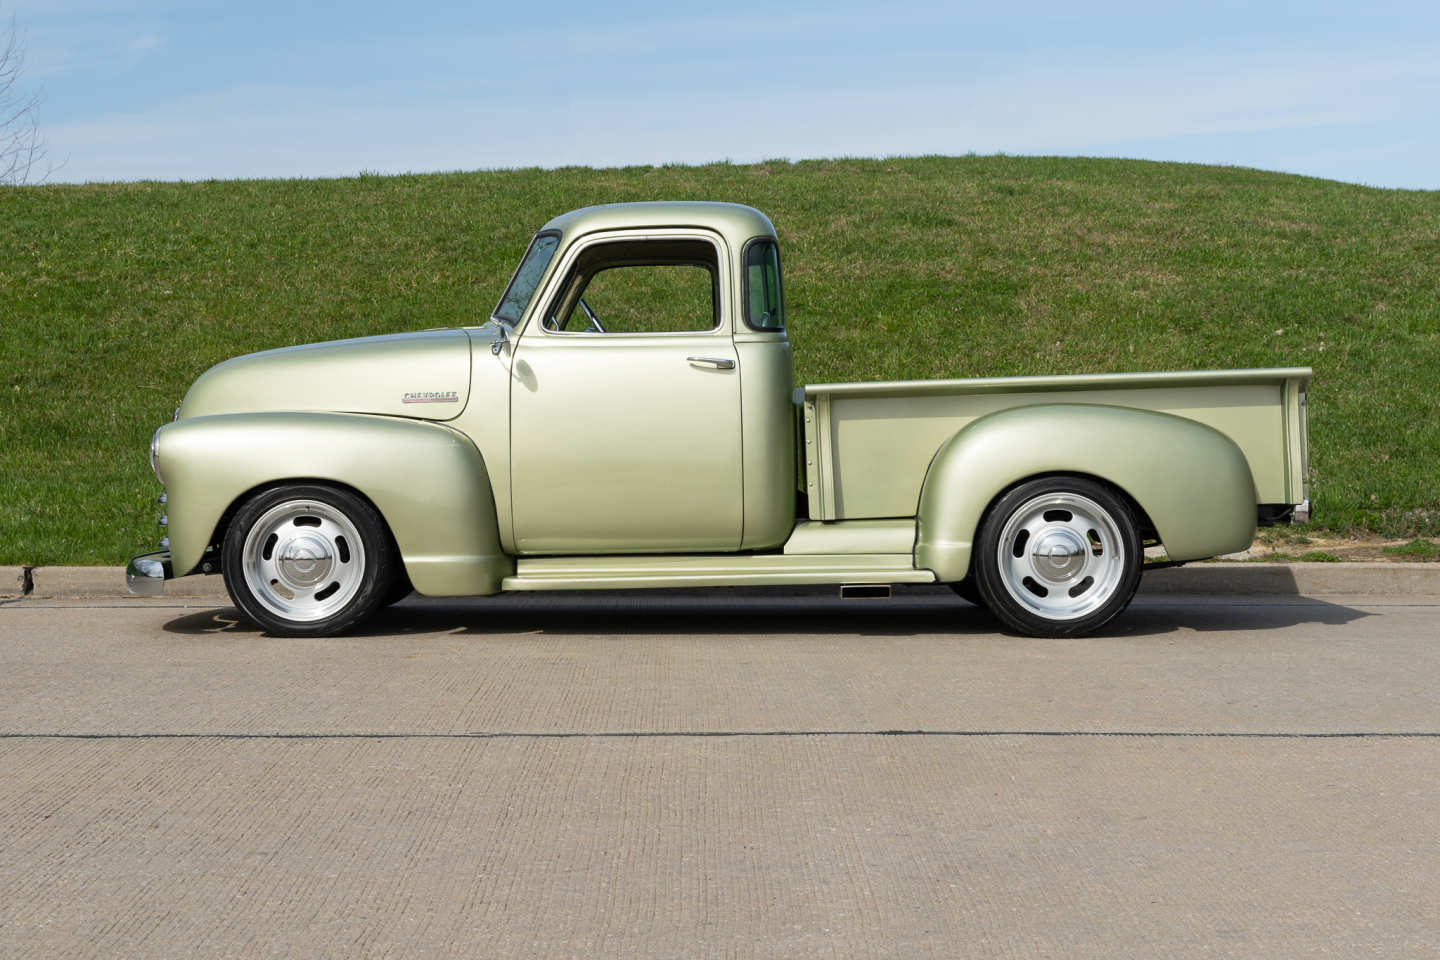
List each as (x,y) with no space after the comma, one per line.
(303,560)
(1058,556)
(1061,556)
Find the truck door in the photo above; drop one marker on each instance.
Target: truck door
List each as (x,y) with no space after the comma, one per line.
(625,402)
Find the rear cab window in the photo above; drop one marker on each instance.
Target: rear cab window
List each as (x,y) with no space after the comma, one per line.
(764,296)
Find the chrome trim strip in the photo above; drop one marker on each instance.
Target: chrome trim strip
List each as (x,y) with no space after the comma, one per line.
(155,455)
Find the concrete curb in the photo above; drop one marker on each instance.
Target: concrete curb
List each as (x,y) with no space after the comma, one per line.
(82,583)
(1220,579)
(1358,579)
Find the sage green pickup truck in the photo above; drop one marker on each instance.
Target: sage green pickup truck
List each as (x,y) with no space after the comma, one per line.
(627,419)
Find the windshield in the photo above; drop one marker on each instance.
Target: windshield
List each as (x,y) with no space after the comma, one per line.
(527,278)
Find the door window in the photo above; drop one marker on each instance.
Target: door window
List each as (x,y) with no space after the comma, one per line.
(648,286)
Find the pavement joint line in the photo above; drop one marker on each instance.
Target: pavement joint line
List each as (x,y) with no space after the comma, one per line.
(137,605)
(747,734)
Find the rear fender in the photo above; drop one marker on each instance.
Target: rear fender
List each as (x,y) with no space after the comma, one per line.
(1190,479)
(428,482)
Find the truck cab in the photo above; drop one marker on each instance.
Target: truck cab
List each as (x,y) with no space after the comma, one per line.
(650,384)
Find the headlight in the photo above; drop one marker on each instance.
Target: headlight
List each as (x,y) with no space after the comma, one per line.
(155,455)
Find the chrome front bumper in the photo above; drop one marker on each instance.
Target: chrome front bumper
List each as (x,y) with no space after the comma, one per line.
(146,574)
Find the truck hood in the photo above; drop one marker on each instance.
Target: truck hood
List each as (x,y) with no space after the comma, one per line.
(419,375)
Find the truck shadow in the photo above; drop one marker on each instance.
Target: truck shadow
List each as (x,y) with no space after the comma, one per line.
(914,611)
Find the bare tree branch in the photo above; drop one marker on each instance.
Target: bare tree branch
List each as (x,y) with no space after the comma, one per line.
(22,149)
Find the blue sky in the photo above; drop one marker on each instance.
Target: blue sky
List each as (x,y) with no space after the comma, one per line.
(155,89)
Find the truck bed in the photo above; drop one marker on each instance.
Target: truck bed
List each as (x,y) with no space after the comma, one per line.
(866,446)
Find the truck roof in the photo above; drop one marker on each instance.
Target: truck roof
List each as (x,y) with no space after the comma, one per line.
(735,222)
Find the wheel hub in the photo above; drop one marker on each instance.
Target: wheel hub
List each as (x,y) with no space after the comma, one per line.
(305,560)
(1059,555)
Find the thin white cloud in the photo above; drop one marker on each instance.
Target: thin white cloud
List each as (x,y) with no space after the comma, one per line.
(279,131)
(34,11)
(143,44)
(51,51)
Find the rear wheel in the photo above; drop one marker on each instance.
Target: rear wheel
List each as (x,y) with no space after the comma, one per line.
(307,560)
(1058,556)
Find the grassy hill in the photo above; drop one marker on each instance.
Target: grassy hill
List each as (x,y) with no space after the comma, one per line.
(114,297)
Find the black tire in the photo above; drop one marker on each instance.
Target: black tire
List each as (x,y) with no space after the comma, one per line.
(967,591)
(1058,556)
(400,588)
(326,548)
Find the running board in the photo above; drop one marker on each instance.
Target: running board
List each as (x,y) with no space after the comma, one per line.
(720,570)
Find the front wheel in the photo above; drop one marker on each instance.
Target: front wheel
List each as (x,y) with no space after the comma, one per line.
(308,561)
(1058,556)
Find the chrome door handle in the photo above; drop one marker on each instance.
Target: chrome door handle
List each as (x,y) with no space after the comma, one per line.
(719,363)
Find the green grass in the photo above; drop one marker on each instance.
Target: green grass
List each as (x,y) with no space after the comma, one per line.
(1415,548)
(114,297)
(1319,556)
(1313,556)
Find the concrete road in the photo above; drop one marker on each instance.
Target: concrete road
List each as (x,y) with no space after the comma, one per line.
(730,774)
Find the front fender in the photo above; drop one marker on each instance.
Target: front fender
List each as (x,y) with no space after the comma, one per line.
(1190,479)
(428,482)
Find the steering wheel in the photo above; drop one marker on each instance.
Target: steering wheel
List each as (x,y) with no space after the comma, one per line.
(590,315)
